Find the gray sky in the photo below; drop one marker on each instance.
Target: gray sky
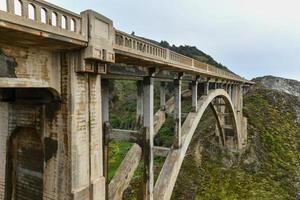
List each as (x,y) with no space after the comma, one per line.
(251,37)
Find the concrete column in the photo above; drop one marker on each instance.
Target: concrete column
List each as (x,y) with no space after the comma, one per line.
(163,96)
(148,181)
(177,113)
(214,85)
(206,88)
(96,135)
(106,127)
(239,108)
(139,104)
(238,98)
(4,115)
(231,92)
(86,134)
(233,97)
(229,89)
(195,95)
(224,86)
(203,88)
(241,97)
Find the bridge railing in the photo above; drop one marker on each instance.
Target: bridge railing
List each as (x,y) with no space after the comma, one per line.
(141,47)
(42,15)
(178,58)
(71,27)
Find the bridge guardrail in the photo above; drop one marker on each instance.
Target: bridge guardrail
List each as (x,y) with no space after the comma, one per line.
(46,17)
(139,46)
(43,16)
(136,45)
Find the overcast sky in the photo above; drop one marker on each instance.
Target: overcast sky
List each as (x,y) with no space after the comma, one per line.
(251,37)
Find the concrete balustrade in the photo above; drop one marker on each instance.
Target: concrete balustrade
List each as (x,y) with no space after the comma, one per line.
(140,47)
(71,27)
(43,17)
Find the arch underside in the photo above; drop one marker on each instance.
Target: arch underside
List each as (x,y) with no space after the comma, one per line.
(170,170)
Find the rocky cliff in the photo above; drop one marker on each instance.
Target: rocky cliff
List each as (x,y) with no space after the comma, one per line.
(280,84)
(283,85)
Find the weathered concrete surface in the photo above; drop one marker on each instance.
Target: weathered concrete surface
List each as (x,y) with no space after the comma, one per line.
(64,162)
(34,64)
(3,145)
(7,66)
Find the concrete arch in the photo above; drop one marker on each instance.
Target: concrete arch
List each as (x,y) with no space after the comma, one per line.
(170,170)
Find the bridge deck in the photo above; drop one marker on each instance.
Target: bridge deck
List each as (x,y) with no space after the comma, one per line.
(43,24)
(135,50)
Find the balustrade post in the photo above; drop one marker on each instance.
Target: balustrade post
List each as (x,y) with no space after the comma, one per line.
(168,55)
(25,9)
(49,17)
(10,6)
(37,13)
(68,23)
(58,20)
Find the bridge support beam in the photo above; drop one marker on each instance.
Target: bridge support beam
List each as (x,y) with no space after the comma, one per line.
(148,180)
(177,113)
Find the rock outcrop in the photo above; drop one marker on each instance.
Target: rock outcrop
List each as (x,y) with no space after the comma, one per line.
(288,86)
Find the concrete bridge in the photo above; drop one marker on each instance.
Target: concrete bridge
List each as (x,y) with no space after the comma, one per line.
(54,72)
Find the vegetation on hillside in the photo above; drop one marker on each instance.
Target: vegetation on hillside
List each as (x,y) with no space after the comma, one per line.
(193,52)
(268,169)
(190,51)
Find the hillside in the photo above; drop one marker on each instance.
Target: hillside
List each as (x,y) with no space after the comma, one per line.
(193,52)
(280,84)
(268,169)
